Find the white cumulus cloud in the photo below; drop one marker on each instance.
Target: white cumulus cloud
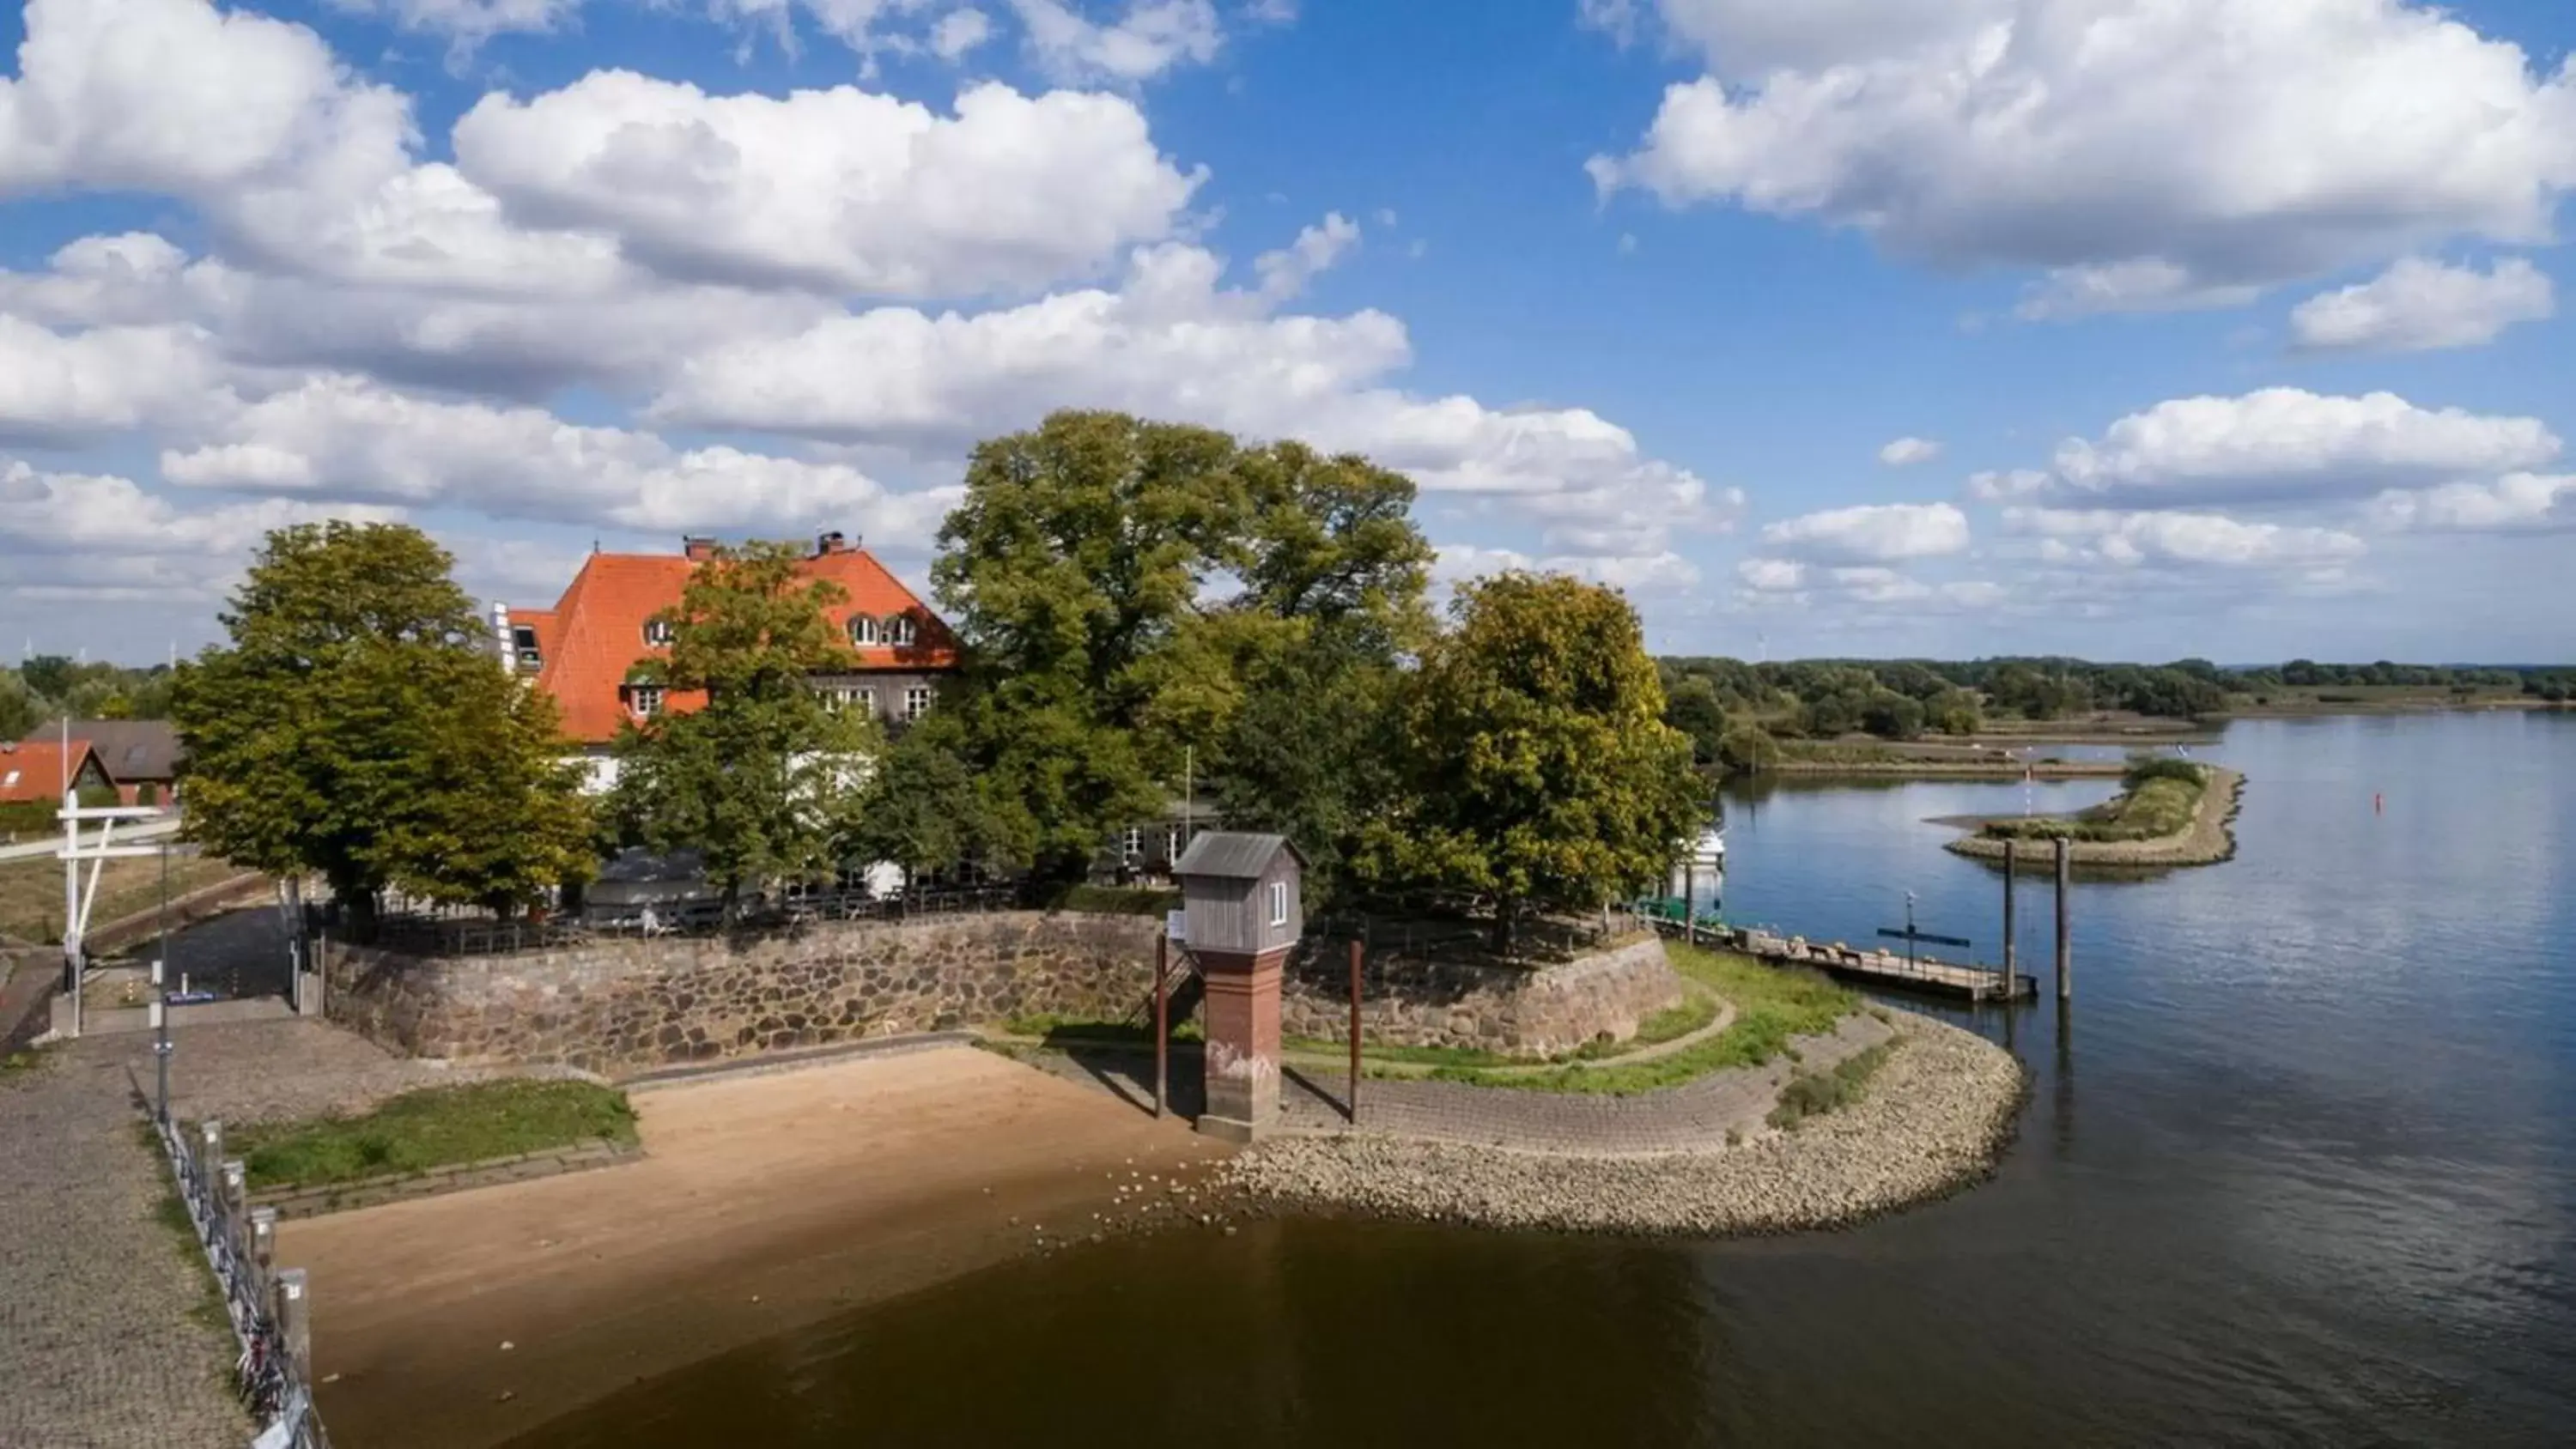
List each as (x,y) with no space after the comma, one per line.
(2178,538)
(1906,452)
(2418,306)
(2288,444)
(841,188)
(347,440)
(2149,153)
(2515,503)
(1872,532)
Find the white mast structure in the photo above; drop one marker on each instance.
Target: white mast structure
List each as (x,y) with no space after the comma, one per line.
(97,851)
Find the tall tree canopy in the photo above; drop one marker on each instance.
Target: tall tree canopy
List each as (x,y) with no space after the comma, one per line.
(356,726)
(1540,770)
(748,763)
(1128,588)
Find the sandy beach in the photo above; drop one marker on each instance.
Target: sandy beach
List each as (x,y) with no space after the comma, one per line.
(763,1203)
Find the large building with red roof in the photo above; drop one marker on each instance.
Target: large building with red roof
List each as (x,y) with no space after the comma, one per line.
(582,650)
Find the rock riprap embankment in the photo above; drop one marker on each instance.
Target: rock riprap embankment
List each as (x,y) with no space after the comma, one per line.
(1935,1118)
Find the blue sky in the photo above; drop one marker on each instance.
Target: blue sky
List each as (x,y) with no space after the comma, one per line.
(2128,328)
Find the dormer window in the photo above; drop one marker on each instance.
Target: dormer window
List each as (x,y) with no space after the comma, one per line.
(901,629)
(658,633)
(863,630)
(643,700)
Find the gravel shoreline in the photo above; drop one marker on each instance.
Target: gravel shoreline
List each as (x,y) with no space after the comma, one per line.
(1936,1118)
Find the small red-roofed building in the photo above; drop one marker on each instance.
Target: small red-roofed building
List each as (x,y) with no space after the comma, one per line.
(35,771)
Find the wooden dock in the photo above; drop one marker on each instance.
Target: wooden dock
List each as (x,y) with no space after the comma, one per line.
(1870,967)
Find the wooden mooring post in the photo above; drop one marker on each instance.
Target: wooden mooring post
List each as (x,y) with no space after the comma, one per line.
(1162,1023)
(2065,951)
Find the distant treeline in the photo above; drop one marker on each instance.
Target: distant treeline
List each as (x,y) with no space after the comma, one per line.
(1736,712)
(50,686)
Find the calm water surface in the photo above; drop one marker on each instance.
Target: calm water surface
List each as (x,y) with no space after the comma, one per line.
(2300,1168)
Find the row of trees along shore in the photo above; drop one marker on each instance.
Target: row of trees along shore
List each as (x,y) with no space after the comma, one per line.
(1144,608)
(1736,713)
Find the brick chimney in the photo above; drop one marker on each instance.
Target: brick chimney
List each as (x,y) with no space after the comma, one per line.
(697,550)
(831,543)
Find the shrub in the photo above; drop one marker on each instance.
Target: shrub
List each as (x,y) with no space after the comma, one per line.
(2161,767)
(1116,900)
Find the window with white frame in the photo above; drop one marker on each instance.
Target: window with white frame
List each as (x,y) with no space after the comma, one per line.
(916,701)
(863,629)
(1279,903)
(1135,842)
(644,700)
(659,633)
(901,629)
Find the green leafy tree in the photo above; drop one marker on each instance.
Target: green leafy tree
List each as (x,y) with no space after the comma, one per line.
(50,675)
(1955,711)
(1748,749)
(747,762)
(356,727)
(20,711)
(1691,706)
(921,809)
(1541,772)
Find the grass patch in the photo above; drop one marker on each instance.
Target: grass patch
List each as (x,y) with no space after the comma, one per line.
(431,1128)
(1772,1005)
(2160,800)
(1813,1094)
(31,891)
(172,1215)
(21,1063)
(1412,1056)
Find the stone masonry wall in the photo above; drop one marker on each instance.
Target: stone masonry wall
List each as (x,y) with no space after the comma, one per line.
(1442,1004)
(623,1006)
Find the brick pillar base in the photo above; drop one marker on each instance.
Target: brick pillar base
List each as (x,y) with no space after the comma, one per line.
(1242,1043)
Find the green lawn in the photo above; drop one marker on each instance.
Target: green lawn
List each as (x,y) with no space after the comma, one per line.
(431,1128)
(1772,1005)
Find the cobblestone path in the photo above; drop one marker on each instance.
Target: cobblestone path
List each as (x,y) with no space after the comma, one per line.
(99,1348)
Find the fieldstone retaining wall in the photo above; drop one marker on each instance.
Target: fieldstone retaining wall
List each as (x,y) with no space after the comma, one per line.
(621,1006)
(1533,1013)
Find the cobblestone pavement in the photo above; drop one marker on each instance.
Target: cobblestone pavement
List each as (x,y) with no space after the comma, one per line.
(98,1348)
(258,1071)
(1689,1118)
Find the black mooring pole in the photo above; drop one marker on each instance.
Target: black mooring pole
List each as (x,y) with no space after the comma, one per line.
(2065,952)
(2011,955)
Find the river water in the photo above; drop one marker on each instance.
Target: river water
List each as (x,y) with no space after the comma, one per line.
(2299,1167)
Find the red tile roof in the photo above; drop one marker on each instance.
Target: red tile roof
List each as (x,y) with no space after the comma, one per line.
(595,634)
(33,769)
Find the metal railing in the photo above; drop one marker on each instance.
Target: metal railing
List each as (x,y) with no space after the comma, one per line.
(449,934)
(267,1305)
